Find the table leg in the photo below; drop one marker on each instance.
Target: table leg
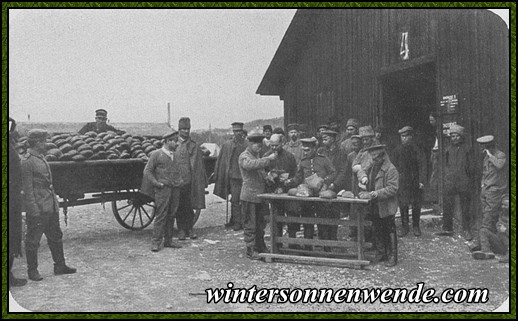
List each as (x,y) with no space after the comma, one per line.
(360,235)
(273,227)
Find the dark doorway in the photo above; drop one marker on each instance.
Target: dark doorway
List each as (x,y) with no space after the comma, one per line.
(409,96)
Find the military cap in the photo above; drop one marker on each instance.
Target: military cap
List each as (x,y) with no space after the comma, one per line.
(169,135)
(323,126)
(405,129)
(278,130)
(101,112)
(456,129)
(267,127)
(352,122)
(366,131)
(255,137)
(293,126)
(376,150)
(309,142)
(184,123)
(485,139)
(37,134)
(330,133)
(237,126)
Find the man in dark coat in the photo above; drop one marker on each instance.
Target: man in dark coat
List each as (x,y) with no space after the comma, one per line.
(410,162)
(294,145)
(100,125)
(227,175)
(351,128)
(162,180)
(252,168)
(41,207)
(192,193)
(459,179)
(15,205)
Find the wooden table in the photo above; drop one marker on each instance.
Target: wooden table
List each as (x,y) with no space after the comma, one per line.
(316,257)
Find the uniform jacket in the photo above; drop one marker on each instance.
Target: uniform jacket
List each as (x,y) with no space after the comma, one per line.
(386,185)
(189,156)
(253,172)
(15,201)
(221,171)
(459,168)
(285,161)
(494,173)
(295,148)
(37,186)
(318,164)
(92,127)
(160,168)
(338,157)
(347,146)
(410,162)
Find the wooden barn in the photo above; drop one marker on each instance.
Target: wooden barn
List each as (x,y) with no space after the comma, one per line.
(392,67)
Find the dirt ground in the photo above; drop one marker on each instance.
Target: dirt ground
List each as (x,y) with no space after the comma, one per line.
(117,272)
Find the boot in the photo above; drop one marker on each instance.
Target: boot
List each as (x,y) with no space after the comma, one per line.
(379,245)
(252,254)
(261,247)
(155,247)
(392,256)
(479,255)
(56,250)
(171,244)
(32,265)
(404,222)
(309,232)
(12,280)
(62,268)
(416,217)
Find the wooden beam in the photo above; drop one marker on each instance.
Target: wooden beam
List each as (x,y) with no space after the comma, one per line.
(269,257)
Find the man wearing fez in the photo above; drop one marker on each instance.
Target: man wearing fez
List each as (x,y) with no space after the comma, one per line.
(494,187)
(228,180)
(15,205)
(312,163)
(459,175)
(410,162)
(41,207)
(161,181)
(281,169)
(192,193)
(100,125)
(294,145)
(252,168)
(351,128)
(382,186)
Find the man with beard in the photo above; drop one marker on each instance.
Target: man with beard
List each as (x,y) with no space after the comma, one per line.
(410,162)
(228,178)
(100,125)
(192,192)
(294,145)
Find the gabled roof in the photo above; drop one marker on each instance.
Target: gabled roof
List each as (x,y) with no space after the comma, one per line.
(288,53)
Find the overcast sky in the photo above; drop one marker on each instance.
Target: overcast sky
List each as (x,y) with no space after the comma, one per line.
(64,64)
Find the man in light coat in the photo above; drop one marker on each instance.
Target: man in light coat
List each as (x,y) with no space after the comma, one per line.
(162,180)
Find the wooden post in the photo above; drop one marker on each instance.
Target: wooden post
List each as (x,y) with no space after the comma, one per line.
(169,114)
(273,227)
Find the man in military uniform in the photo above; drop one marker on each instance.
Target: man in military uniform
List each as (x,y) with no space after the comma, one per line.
(459,176)
(294,145)
(267,132)
(42,207)
(312,163)
(161,181)
(100,125)
(320,130)
(410,162)
(252,168)
(494,186)
(351,128)
(228,178)
(192,193)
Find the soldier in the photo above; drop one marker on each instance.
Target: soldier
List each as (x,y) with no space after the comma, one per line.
(351,183)
(267,132)
(312,163)
(162,180)
(320,130)
(410,162)
(15,205)
(294,145)
(494,186)
(280,131)
(100,125)
(41,207)
(228,176)
(459,174)
(382,185)
(192,193)
(252,169)
(351,128)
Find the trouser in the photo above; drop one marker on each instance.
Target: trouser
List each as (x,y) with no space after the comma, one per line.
(404,208)
(328,232)
(48,224)
(491,201)
(492,241)
(287,208)
(449,205)
(382,228)
(236,217)
(309,210)
(254,223)
(185,213)
(166,199)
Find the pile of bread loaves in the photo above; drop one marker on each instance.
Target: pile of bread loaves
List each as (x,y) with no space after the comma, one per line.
(93,146)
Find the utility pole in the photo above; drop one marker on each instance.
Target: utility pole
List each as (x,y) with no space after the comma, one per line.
(169,115)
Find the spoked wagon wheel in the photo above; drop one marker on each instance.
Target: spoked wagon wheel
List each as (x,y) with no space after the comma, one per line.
(134,213)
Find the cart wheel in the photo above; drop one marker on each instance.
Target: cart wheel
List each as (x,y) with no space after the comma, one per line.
(135,213)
